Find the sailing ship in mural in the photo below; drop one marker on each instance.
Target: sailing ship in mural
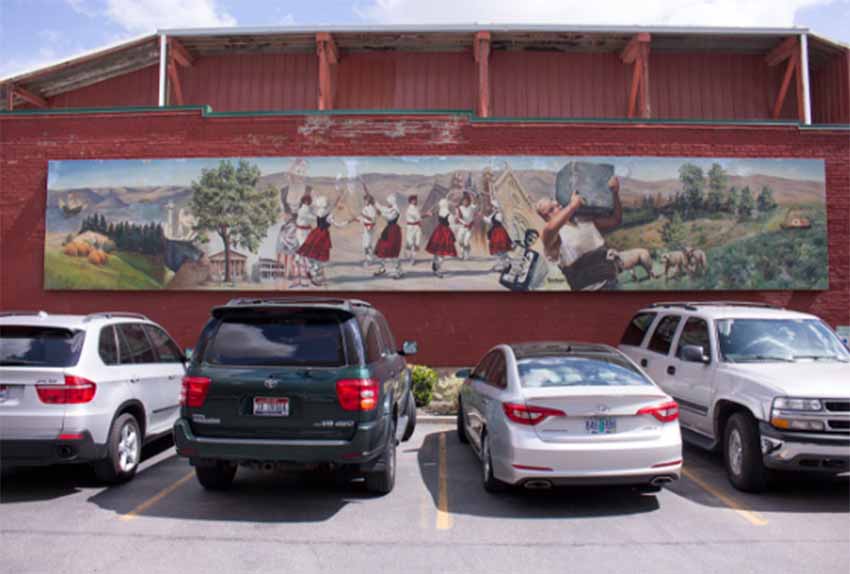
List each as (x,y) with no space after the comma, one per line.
(509,223)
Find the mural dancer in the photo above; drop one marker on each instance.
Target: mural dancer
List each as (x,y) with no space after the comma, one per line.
(441,244)
(286,246)
(389,243)
(465,219)
(576,243)
(316,249)
(303,226)
(368,218)
(413,228)
(499,242)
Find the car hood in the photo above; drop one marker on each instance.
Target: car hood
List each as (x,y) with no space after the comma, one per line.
(816,379)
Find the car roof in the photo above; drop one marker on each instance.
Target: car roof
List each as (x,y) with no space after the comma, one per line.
(550,348)
(727,310)
(350,305)
(66,321)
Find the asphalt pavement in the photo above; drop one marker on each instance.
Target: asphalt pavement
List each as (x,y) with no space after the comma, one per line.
(438,519)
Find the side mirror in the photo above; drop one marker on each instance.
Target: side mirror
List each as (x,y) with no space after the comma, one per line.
(463,373)
(187,353)
(409,348)
(694,354)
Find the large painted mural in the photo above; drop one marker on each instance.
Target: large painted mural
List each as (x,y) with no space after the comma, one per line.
(510,223)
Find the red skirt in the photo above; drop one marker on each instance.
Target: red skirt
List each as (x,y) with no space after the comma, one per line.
(500,241)
(442,242)
(389,243)
(317,245)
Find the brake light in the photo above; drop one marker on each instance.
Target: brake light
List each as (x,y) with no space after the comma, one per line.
(193,393)
(357,394)
(529,415)
(76,390)
(666,413)
(69,436)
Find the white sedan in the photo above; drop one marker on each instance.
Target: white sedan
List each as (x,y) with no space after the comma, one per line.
(547,414)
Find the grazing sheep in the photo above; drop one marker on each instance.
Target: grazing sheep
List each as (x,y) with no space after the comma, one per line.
(675,260)
(697,261)
(631,260)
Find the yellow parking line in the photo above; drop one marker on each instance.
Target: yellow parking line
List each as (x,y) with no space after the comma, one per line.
(444,519)
(752,517)
(156,497)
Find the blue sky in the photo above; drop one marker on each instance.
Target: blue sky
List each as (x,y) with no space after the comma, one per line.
(157,172)
(36,32)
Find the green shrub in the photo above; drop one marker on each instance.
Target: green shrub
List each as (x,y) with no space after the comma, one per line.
(424,380)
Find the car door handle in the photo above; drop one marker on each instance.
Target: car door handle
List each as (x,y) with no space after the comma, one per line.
(172,377)
(643,362)
(671,370)
(135,379)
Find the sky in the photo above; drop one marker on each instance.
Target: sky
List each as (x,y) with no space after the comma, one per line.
(34,33)
(160,172)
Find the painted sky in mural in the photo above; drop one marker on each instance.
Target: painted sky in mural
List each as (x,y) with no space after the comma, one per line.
(501,223)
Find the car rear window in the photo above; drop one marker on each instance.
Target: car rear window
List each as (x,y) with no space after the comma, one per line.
(278,339)
(575,371)
(637,328)
(36,346)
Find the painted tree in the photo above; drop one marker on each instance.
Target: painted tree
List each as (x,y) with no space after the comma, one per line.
(693,184)
(673,232)
(746,204)
(716,184)
(732,201)
(765,200)
(226,201)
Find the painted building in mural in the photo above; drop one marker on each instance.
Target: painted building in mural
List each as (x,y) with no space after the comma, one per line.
(426,171)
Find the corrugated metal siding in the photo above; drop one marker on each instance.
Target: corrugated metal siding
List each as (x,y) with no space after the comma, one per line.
(551,84)
(139,88)
(830,91)
(405,81)
(252,82)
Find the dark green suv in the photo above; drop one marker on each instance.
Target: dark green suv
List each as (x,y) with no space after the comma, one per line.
(296,381)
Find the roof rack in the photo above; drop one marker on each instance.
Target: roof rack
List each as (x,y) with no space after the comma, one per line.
(113,314)
(23,313)
(348,303)
(692,305)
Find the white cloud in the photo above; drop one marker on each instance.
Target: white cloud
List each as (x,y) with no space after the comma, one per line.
(584,12)
(82,7)
(139,16)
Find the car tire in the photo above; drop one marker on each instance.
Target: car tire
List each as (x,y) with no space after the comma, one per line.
(216,476)
(461,428)
(491,483)
(411,418)
(123,451)
(742,454)
(381,479)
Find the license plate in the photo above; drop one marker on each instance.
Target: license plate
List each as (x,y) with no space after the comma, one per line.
(600,425)
(271,406)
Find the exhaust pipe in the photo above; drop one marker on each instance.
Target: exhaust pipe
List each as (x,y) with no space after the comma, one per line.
(661,480)
(538,485)
(268,466)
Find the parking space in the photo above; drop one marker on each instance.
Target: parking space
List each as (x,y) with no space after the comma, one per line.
(438,518)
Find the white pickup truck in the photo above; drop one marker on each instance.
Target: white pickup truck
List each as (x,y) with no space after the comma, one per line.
(768,386)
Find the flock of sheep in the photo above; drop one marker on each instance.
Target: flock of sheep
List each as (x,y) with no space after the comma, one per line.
(688,261)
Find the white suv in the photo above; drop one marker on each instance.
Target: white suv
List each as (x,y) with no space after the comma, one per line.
(91,388)
(766,385)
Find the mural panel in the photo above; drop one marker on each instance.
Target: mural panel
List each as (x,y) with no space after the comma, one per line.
(509,223)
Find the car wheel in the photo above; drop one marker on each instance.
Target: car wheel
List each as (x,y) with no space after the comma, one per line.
(124,451)
(742,454)
(411,417)
(381,480)
(491,483)
(217,475)
(461,427)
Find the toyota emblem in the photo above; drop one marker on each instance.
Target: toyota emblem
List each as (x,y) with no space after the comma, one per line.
(270,383)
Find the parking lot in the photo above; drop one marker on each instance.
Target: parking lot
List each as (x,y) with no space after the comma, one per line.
(438,518)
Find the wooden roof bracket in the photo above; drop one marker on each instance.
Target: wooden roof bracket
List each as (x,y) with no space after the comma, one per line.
(178,55)
(481,52)
(788,50)
(328,55)
(26,95)
(636,52)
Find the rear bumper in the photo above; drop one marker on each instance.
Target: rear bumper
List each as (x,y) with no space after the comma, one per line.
(367,444)
(804,451)
(54,451)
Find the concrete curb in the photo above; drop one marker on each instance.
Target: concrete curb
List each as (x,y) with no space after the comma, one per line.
(435,419)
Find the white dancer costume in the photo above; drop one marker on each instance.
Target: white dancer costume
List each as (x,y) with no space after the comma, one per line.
(368,217)
(413,231)
(466,215)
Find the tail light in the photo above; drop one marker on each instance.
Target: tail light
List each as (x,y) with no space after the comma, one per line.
(666,412)
(194,391)
(529,415)
(357,394)
(76,390)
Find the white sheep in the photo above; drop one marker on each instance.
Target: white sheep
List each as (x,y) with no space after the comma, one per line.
(631,260)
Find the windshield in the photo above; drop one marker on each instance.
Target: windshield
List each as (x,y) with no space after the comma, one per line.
(772,340)
(573,371)
(34,346)
(280,339)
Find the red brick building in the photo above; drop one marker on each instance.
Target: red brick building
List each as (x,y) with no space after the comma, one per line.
(774,93)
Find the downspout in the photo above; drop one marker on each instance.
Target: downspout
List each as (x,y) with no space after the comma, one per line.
(162,63)
(804,68)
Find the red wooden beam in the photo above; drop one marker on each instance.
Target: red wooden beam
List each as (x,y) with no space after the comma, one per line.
(328,56)
(178,52)
(174,82)
(632,50)
(29,96)
(783,90)
(645,107)
(636,52)
(481,52)
(782,51)
(633,92)
(10,98)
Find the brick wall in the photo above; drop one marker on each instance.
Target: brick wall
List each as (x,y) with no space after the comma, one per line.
(451,330)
